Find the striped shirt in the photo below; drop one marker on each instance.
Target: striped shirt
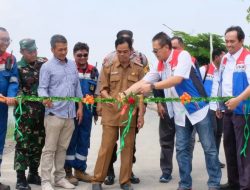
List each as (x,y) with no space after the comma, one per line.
(58,78)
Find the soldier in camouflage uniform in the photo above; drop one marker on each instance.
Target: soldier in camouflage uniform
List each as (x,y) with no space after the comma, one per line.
(30,135)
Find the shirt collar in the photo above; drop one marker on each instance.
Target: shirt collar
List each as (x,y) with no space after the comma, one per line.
(214,65)
(170,57)
(86,69)
(23,63)
(59,61)
(236,55)
(118,64)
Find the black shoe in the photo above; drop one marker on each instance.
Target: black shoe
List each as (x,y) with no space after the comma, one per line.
(222,165)
(96,186)
(134,179)
(126,186)
(165,178)
(110,180)
(22,185)
(34,179)
(230,186)
(4,187)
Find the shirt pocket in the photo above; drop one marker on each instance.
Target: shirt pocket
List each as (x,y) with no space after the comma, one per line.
(114,81)
(132,79)
(58,78)
(73,79)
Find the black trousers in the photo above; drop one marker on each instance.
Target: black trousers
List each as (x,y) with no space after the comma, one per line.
(166,134)
(238,166)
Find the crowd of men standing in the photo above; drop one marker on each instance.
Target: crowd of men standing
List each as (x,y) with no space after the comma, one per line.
(57,134)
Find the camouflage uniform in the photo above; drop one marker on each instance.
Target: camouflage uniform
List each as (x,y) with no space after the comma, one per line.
(30,135)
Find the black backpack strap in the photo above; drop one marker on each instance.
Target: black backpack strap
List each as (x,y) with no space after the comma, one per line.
(9,62)
(206,73)
(194,76)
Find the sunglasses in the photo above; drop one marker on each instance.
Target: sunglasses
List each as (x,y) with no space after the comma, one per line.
(82,55)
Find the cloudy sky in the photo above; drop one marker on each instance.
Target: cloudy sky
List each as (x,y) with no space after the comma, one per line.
(96,22)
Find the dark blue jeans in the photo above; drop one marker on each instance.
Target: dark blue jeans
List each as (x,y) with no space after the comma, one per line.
(3,127)
(184,154)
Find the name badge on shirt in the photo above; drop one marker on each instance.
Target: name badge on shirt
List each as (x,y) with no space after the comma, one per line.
(114,73)
(91,87)
(240,67)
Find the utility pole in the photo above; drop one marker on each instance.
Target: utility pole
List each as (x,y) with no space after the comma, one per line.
(168,27)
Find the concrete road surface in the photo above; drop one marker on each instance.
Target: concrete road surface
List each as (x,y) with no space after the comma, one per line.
(147,165)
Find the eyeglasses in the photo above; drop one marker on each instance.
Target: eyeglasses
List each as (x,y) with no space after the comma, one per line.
(82,55)
(155,51)
(5,40)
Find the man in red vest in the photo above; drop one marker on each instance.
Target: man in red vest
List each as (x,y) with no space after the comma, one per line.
(210,75)
(179,75)
(8,87)
(234,79)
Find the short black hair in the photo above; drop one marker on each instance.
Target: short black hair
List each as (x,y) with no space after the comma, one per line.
(123,40)
(124,32)
(238,29)
(217,52)
(3,29)
(57,38)
(180,40)
(80,46)
(163,39)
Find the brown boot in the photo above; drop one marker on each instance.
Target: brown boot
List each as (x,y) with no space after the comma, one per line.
(82,176)
(70,177)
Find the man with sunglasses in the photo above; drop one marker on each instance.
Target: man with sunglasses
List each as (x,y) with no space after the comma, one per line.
(178,76)
(78,148)
(30,134)
(8,88)
(141,59)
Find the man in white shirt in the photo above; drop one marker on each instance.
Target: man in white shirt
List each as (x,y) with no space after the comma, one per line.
(210,75)
(234,79)
(177,74)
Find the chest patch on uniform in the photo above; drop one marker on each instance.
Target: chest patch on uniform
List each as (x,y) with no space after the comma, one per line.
(91,87)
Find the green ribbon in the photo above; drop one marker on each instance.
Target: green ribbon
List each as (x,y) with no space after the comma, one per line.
(126,129)
(246,132)
(193,99)
(19,112)
(20,99)
(113,100)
